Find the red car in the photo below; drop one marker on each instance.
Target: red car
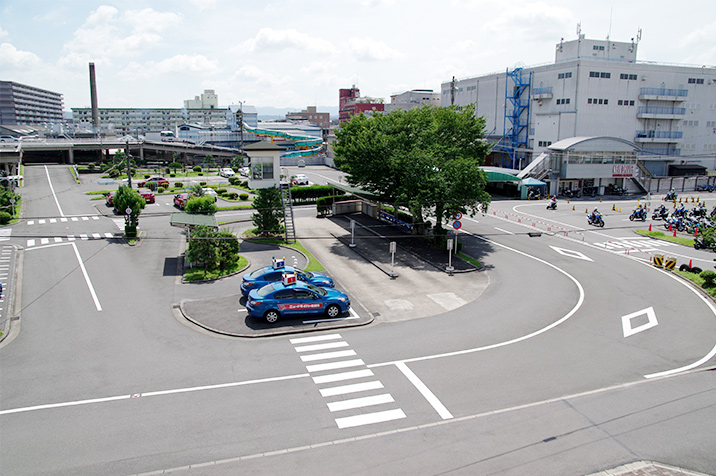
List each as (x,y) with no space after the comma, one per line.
(160,181)
(147,195)
(180,200)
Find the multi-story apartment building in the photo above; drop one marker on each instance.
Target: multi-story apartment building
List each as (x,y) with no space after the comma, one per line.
(411,99)
(350,103)
(312,116)
(139,120)
(595,88)
(207,100)
(27,105)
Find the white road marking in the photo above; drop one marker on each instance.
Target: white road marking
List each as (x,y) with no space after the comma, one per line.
(87,279)
(315,347)
(355,374)
(425,391)
(328,355)
(305,340)
(571,253)
(370,418)
(360,402)
(52,189)
(448,301)
(352,388)
(504,231)
(335,365)
(651,321)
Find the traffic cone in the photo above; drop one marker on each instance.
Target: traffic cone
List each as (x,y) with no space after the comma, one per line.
(572,207)
(690,265)
(671,226)
(614,207)
(674,232)
(586,211)
(649,226)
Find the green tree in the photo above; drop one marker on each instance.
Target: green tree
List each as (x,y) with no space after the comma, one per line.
(201,250)
(269,211)
(128,198)
(174,166)
(203,205)
(426,159)
(212,249)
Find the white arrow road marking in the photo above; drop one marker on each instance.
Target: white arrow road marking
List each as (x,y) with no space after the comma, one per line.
(651,321)
(571,253)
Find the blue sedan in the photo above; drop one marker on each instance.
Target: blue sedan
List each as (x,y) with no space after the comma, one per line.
(277,300)
(268,274)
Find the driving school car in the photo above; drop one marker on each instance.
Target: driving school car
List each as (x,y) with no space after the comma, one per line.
(270,274)
(291,298)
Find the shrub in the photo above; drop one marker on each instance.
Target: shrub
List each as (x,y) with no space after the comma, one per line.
(709,277)
(114,173)
(203,184)
(197,168)
(200,174)
(232,195)
(179,184)
(91,166)
(161,190)
(221,191)
(5,218)
(146,176)
(244,196)
(172,175)
(234,180)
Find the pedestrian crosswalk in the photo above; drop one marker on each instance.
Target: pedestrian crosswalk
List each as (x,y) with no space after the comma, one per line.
(43,221)
(345,380)
(69,238)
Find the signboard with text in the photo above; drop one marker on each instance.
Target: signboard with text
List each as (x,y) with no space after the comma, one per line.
(623,170)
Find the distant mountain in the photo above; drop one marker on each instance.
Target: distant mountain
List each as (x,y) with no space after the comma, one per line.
(268,113)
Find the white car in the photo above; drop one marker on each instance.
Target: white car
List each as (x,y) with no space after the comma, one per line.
(210,192)
(299,179)
(244,171)
(227,172)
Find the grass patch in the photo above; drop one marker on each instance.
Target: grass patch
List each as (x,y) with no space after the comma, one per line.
(663,236)
(465,257)
(699,281)
(198,274)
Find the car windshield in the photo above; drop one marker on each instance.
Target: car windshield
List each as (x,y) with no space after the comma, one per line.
(259,272)
(264,291)
(304,274)
(317,290)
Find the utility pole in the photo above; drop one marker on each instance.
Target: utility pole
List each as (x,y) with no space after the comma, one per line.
(129,167)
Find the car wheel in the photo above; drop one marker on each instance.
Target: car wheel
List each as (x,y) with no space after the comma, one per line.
(685,267)
(271,316)
(333,311)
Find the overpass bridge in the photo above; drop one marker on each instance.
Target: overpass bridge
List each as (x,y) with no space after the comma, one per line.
(68,150)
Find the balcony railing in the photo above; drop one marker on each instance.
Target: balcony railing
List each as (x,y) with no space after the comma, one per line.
(659,134)
(673,111)
(663,92)
(659,151)
(542,90)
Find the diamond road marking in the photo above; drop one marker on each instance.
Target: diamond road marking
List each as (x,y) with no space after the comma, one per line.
(448,301)
(399,305)
(651,321)
(571,253)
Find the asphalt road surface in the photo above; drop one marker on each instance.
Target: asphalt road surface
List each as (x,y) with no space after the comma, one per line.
(578,356)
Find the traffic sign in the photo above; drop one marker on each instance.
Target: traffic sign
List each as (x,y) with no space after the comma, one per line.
(457,216)
(456,224)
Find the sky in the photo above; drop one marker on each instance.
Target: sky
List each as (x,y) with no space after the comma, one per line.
(299,53)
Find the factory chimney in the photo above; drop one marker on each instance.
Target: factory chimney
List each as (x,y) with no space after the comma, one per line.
(93,97)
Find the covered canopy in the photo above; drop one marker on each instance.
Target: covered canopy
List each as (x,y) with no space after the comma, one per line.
(533,182)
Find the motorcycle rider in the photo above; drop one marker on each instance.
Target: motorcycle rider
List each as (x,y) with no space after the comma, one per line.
(594,215)
(553,202)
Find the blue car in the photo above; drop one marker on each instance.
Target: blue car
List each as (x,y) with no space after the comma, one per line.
(269,274)
(277,300)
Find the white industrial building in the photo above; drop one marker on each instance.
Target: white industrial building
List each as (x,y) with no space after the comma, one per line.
(413,98)
(597,88)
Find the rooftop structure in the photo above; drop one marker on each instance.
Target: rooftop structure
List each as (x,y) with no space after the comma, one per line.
(350,103)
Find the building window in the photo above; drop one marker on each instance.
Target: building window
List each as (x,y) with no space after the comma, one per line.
(696,80)
(630,77)
(594,74)
(605,75)
(564,75)
(598,47)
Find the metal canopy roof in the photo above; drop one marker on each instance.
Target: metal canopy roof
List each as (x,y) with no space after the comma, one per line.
(185,220)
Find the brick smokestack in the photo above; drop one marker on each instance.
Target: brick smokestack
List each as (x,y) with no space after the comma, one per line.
(93,97)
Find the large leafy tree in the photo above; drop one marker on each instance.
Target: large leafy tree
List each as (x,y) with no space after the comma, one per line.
(269,211)
(129,199)
(212,249)
(426,159)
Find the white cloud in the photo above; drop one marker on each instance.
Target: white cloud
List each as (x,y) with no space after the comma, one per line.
(12,58)
(151,20)
(176,65)
(204,4)
(3,33)
(268,39)
(368,49)
(530,21)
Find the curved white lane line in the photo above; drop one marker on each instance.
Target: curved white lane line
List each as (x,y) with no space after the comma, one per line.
(685,368)
(511,341)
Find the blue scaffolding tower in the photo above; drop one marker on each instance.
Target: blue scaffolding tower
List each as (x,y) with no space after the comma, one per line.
(517,115)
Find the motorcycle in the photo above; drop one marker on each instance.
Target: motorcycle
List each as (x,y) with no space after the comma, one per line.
(700,243)
(552,206)
(534,195)
(572,193)
(679,212)
(674,223)
(595,220)
(660,213)
(639,214)
(671,196)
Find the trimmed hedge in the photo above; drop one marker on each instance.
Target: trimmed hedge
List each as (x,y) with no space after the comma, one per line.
(308,195)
